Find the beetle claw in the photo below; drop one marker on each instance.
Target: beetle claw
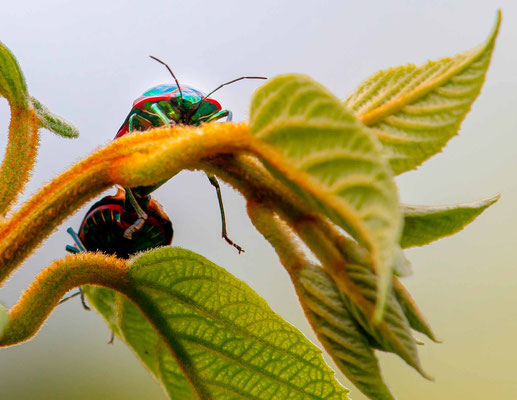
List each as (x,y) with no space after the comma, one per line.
(83,300)
(232,243)
(137,225)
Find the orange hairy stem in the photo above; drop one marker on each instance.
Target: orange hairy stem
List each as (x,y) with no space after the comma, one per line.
(20,155)
(134,160)
(40,298)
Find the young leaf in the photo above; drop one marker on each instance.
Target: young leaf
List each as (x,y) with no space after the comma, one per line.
(393,334)
(23,142)
(413,314)
(340,168)
(204,334)
(401,265)
(414,111)
(12,82)
(423,225)
(54,123)
(339,333)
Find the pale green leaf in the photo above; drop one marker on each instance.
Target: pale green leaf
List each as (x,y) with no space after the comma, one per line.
(401,265)
(4,319)
(413,314)
(393,333)
(415,110)
(12,82)
(338,165)
(425,224)
(205,334)
(54,123)
(339,333)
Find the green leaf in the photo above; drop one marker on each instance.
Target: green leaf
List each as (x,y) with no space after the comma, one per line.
(423,225)
(339,333)
(401,265)
(54,123)
(205,334)
(12,82)
(338,165)
(4,319)
(415,110)
(393,333)
(413,314)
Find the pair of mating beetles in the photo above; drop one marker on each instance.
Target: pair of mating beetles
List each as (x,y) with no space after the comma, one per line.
(132,220)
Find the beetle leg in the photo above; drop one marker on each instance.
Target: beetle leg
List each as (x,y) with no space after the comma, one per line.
(77,241)
(161,114)
(69,297)
(224,234)
(83,301)
(141,119)
(73,249)
(131,124)
(142,215)
(219,115)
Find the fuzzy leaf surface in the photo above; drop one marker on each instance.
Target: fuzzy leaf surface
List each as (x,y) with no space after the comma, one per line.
(12,81)
(197,323)
(425,224)
(54,123)
(340,334)
(415,110)
(339,166)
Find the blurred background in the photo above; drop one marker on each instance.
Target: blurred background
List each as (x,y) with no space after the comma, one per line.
(89,60)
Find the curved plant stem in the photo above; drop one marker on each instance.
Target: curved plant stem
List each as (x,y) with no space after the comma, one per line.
(278,234)
(157,155)
(43,295)
(19,156)
(135,160)
(40,298)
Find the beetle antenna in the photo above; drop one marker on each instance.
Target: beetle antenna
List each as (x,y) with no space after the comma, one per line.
(172,73)
(222,85)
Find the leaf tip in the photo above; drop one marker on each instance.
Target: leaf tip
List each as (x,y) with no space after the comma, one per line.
(52,122)
(495,30)
(492,200)
(427,376)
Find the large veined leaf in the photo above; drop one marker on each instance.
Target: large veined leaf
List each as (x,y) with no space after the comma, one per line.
(415,110)
(206,335)
(54,123)
(425,224)
(339,167)
(338,331)
(12,82)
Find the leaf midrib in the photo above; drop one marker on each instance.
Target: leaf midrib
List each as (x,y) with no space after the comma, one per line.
(402,100)
(225,322)
(196,341)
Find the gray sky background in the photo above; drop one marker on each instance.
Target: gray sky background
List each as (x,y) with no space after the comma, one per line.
(89,60)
